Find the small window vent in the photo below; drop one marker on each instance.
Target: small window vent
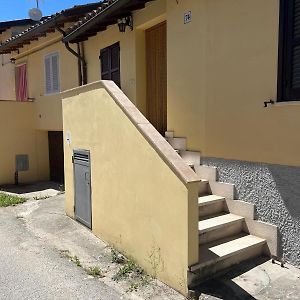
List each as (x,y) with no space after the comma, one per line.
(81,156)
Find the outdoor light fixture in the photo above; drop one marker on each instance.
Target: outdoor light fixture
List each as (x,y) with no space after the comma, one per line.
(123,22)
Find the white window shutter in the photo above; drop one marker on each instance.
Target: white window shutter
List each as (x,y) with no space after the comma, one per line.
(52,81)
(55,74)
(48,76)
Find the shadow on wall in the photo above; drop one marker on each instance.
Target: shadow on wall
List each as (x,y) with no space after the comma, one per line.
(287,181)
(275,190)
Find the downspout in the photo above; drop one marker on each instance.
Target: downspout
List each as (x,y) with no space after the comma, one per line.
(84,65)
(81,60)
(79,65)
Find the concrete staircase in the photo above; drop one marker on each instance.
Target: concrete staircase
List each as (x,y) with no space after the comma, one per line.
(228,231)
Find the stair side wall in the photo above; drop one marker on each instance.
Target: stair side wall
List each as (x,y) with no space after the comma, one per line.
(140,205)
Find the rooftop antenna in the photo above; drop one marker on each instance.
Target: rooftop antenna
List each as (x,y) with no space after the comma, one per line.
(35,13)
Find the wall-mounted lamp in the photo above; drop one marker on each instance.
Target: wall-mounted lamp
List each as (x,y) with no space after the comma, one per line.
(13,60)
(123,22)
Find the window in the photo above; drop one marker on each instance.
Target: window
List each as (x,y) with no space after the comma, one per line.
(289,51)
(110,63)
(21,83)
(52,84)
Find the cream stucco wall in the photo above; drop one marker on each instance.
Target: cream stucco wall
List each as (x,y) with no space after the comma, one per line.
(48,114)
(221,68)
(7,73)
(219,75)
(132,51)
(19,136)
(186,70)
(152,219)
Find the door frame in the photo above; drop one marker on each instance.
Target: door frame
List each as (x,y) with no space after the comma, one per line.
(162,23)
(61,174)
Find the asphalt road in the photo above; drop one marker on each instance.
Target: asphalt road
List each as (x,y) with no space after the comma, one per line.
(31,269)
(34,235)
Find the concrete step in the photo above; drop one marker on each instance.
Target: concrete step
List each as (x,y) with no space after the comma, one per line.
(169,134)
(203,188)
(223,253)
(178,143)
(219,227)
(209,173)
(210,205)
(240,208)
(192,158)
(222,189)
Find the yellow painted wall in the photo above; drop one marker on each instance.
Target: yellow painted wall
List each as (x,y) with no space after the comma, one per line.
(187,70)
(132,47)
(221,68)
(19,136)
(219,75)
(48,115)
(152,219)
(127,59)
(7,73)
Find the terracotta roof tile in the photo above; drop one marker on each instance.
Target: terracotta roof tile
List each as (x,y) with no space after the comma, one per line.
(90,15)
(75,10)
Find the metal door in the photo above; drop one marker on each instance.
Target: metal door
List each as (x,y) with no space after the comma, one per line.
(82,186)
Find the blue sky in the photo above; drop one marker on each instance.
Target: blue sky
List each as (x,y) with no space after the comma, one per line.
(18,9)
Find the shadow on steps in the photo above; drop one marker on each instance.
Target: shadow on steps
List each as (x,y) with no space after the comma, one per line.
(222,286)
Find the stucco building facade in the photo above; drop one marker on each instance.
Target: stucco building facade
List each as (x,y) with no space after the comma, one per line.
(207,71)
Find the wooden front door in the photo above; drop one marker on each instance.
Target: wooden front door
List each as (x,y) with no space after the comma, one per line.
(56,156)
(156,60)
(289,49)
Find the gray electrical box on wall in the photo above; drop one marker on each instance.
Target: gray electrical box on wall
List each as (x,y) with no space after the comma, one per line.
(22,162)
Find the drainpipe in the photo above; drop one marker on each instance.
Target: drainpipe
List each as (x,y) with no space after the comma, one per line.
(82,65)
(79,65)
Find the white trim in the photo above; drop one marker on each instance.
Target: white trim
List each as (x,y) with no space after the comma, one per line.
(287,103)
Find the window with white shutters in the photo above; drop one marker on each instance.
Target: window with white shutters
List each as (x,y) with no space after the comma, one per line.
(52,82)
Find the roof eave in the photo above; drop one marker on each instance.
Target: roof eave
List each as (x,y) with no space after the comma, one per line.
(49,25)
(101,16)
(29,36)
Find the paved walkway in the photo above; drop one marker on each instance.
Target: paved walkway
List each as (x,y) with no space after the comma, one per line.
(30,268)
(258,279)
(37,241)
